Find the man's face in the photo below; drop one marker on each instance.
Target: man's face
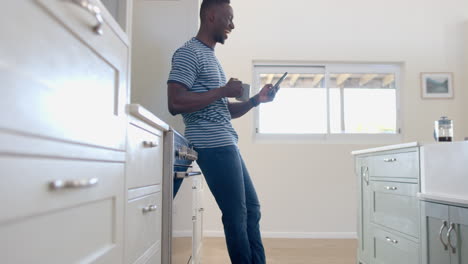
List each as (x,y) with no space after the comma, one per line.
(223,24)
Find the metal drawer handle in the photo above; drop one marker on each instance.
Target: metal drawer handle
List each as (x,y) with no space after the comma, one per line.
(95,11)
(150,144)
(183,174)
(149,208)
(391,240)
(390,160)
(73,184)
(452,228)
(365,174)
(444,225)
(391,188)
(201,209)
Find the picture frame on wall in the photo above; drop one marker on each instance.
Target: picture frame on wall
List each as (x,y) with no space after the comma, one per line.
(437,85)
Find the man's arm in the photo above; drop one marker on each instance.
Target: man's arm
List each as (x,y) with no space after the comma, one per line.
(238,109)
(181,100)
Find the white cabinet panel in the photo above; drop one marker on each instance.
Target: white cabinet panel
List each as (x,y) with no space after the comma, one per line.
(62,134)
(398,165)
(59,78)
(87,233)
(143,225)
(395,205)
(390,248)
(69,225)
(145,158)
(25,189)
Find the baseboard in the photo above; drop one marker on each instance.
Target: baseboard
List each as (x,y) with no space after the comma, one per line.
(311,235)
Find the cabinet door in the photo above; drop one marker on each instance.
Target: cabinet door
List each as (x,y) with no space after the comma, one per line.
(60,79)
(434,229)
(364,237)
(394,205)
(459,237)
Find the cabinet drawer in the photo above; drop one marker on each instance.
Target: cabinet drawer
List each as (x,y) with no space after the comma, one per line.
(145,158)
(88,233)
(396,165)
(390,249)
(396,206)
(61,80)
(143,225)
(38,225)
(26,190)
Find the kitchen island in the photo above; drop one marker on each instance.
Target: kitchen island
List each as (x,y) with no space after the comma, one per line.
(412,203)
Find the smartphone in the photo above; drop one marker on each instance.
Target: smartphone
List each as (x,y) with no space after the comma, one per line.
(277,84)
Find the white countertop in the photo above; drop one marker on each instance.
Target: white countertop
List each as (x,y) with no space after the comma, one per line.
(140,112)
(443,198)
(384,148)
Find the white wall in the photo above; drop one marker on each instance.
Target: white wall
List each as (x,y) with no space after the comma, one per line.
(158,29)
(309,190)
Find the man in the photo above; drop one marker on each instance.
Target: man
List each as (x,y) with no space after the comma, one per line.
(197,89)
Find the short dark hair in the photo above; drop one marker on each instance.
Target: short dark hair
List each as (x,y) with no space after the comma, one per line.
(207,4)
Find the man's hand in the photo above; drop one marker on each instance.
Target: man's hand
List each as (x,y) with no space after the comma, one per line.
(233,88)
(267,94)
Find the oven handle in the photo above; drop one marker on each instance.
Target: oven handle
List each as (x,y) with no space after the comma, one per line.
(183,174)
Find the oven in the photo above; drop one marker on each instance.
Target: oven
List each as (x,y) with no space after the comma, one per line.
(182,207)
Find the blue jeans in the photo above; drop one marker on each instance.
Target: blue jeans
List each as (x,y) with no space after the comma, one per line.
(230,183)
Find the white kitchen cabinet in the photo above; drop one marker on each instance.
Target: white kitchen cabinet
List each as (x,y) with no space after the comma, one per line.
(144,174)
(60,211)
(145,156)
(445,233)
(60,78)
(395,206)
(143,226)
(388,213)
(62,133)
(395,165)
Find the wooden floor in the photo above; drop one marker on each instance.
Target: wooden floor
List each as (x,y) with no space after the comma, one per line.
(289,251)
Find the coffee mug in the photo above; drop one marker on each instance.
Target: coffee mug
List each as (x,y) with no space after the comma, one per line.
(245,93)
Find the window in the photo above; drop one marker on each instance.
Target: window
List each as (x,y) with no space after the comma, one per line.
(330,100)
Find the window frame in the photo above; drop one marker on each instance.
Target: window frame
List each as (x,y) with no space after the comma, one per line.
(259,67)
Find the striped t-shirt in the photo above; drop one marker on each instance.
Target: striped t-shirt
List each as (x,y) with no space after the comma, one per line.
(196,67)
